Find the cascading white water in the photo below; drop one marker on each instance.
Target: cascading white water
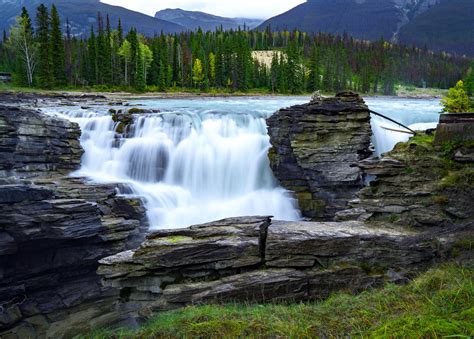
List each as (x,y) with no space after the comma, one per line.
(190,167)
(417,114)
(203,160)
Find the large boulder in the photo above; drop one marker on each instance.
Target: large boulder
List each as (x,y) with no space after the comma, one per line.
(316,148)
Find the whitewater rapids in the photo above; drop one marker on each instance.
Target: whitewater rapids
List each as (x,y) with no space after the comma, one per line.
(202,160)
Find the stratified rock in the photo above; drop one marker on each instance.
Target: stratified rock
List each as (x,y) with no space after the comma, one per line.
(255,260)
(316,148)
(455,127)
(418,184)
(322,245)
(53,231)
(31,143)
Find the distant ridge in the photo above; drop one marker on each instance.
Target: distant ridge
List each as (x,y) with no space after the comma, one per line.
(440,25)
(193,20)
(83,13)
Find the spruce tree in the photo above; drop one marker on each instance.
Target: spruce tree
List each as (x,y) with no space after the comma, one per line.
(469,81)
(57,49)
(140,83)
(45,74)
(92,59)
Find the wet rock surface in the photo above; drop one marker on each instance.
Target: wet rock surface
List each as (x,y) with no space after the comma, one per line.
(316,148)
(54,229)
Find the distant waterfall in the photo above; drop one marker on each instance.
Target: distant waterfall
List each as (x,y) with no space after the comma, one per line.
(385,136)
(418,114)
(189,168)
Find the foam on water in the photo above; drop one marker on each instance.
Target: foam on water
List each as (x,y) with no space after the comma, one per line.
(206,159)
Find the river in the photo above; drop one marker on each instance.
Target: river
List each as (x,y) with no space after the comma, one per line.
(205,159)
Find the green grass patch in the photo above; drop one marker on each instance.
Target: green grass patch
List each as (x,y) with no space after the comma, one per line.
(438,303)
(463,178)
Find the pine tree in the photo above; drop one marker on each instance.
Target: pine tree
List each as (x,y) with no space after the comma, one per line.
(45,74)
(57,49)
(132,37)
(469,81)
(107,53)
(140,83)
(92,58)
(294,72)
(68,53)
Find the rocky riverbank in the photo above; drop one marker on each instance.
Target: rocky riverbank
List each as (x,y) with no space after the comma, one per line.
(75,256)
(53,231)
(258,260)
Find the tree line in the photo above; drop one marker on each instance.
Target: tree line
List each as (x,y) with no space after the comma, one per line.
(42,54)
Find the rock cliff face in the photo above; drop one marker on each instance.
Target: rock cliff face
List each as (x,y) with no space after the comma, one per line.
(316,148)
(53,230)
(259,260)
(419,184)
(32,144)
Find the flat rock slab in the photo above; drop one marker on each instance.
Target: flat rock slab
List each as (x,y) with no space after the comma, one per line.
(309,244)
(230,243)
(254,259)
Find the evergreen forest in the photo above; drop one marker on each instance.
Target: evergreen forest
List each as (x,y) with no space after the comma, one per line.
(41,52)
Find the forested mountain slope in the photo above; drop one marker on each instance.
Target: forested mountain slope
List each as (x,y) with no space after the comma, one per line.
(83,13)
(437,24)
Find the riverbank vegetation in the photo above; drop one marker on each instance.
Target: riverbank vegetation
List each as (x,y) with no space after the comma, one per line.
(39,53)
(436,304)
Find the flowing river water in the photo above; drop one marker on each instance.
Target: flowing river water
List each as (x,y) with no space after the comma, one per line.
(205,159)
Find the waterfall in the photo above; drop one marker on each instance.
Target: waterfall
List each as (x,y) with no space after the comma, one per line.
(203,160)
(189,167)
(418,114)
(386,134)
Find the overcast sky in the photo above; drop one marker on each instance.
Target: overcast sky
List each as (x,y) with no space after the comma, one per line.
(262,9)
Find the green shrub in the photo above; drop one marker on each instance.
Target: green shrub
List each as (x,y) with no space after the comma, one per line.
(457,100)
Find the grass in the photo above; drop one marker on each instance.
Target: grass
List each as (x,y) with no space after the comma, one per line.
(407,91)
(462,178)
(437,304)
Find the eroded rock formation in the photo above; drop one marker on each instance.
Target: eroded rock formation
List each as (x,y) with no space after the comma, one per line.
(419,184)
(54,229)
(316,148)
(255,259)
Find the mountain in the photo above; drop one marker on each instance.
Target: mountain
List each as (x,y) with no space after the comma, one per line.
(448,26)
(193,20)
(83,13)
(438,24)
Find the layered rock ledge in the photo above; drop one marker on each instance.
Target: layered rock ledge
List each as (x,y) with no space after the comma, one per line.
(420,184)
(53,231)
(316,149)
(255,259)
